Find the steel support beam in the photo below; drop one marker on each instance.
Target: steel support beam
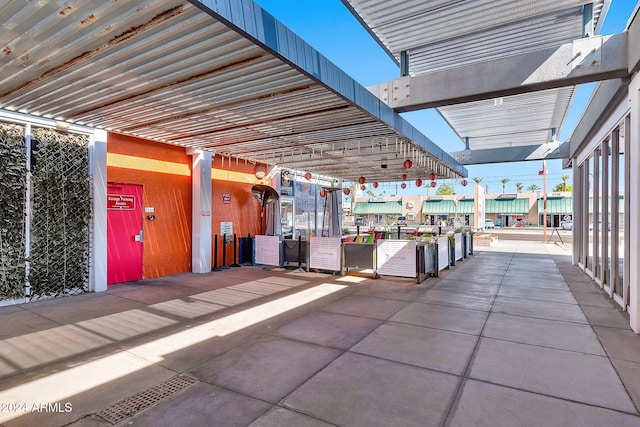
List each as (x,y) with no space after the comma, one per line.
(584,60)
(548,151)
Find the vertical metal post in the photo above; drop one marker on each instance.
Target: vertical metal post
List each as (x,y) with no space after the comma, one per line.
(224,265)
(215,254)
(596,215)
(404,63)
(626,279)
(29,213)
(604,259)
(235,251)
(544,201)
(587,20)
(614,280)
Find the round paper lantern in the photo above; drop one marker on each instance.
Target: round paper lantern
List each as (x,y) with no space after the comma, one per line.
(404,176)
(362,180)
(418,182)
(259,171)
(307,176)
(363,187)
(407,164)
(464,183)
(323,192)
(403,185)
(433,184)
(375,184)
(432,176)
(346,191)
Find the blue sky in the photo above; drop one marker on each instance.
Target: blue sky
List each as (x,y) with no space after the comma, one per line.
(329,27)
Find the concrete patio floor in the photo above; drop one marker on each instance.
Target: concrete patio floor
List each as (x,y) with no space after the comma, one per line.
(514,335)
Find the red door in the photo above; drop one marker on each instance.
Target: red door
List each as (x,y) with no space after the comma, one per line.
(124,233)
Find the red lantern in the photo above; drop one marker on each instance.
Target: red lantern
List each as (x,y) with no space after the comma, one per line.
(346,191)
(403,185)
(433,184)
(363,187)
(418,182)
(464,183)
(362,180)
(407,164)
(404,176)
(323,192)
(307,176)
(432,176)
(375,184)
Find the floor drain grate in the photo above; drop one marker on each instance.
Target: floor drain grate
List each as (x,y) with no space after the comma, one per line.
(131,405)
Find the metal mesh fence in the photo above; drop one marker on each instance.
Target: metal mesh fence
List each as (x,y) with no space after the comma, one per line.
(61,214)
(13,174)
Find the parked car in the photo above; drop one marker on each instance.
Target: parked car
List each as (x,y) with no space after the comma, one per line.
(488,223)
(567,225)
(599,226)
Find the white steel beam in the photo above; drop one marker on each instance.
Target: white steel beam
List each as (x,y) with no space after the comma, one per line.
(551,150)
(584,60)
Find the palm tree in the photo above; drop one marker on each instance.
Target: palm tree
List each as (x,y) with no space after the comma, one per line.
(519,186)
(533,188)
(504,183)
(563,186)
(477,179)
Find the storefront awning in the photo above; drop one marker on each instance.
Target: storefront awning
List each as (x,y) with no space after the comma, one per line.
(466,207)
(438,207)
(557,206)
(507,206)
(373,208)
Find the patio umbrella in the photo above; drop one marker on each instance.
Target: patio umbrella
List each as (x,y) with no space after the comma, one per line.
(265,195)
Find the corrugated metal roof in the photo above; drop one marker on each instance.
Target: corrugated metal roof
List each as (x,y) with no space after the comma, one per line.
(507,207)
(445,34)
(525,119)
(438,207)
(382,208)
(214,74)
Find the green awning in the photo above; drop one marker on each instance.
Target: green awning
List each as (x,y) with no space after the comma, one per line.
(373,208)
(438,207)
(557,206)
(466,206)
(507,206)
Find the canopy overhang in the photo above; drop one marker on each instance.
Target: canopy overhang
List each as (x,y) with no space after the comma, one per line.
(212,74)
(487,65)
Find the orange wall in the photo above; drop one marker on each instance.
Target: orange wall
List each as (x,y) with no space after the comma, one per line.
(165,173)
(235,178)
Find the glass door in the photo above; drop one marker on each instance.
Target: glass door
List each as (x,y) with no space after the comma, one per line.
(286,217)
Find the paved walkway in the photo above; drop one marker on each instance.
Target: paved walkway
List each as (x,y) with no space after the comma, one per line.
(514,335)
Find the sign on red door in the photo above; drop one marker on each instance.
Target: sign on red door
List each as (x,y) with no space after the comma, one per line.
(124,233)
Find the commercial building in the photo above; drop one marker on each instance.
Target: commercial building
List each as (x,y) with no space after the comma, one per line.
(120,109)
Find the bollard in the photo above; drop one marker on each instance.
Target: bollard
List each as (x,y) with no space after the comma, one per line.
(215,254)
(224,265)
(235,251)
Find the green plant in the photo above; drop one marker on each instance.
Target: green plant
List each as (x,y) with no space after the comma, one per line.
(59,263)
(13,175)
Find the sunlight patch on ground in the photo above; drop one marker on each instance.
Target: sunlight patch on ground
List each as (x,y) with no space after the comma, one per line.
(61,385)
